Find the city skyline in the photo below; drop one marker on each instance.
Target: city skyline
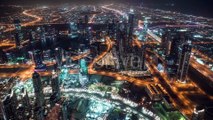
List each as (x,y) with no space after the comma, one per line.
(109,61)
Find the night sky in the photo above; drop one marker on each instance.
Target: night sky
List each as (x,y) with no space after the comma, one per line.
(195,7)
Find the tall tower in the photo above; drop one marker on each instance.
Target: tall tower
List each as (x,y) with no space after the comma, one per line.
(17,39)
(64,113)
(38,90)
(83,74)
(3,57)
(171,43)
(32,40)
(26,103)
(166,43)
(58,57)
(9,106)
(37,56)
(145,28)
(18,34)
(43,38)
(55,84)
(86,19)
(183,63)
(142,55)
(131,20)
(8,111)
(83,67)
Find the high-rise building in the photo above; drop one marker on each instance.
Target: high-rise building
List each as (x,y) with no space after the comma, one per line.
(21,112)
(47,55)
(178,39)
(166,43)
(68,59)
(26,104)
(131,20)
(171,42)
(142,59)
(9,106)
(73,30)
(55,84)
(38,113)
(143,32)
(38,90)
(8,111)
(37,56)
(32,40)
(17,24)
(64,114)
(3,57)
(183,63)
(86,19)
(43,38)
(58,57)
(17,39)
(18,34)
(83,67)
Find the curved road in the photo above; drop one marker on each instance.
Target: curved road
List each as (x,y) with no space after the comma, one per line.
(27,13)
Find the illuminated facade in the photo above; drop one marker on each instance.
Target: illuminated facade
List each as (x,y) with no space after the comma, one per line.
(18,34)
(38,90)
(183,64)
(131,23)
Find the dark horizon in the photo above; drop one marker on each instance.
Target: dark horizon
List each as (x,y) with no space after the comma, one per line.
(192,7)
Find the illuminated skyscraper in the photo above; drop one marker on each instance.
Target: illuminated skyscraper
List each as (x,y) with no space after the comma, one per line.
(64,113)
(43,38)
(83,67)
(55,84)
(58,57)
(32,40)
(21,112)
(38,90)
(9,106)
(171,42)
(37,56)
(177,39)
(131,19)
(18,34)
(17,24)
(142,55)
(183,64)
(26,104)
(17,39)
(73,30)
(166,43)
(83,77)
(143,32)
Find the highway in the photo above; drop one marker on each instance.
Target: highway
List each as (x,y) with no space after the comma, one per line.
(202,68)
(178,91)
(29,14)
(93,16)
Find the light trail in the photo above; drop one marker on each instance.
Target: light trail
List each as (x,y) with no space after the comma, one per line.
(93,16)
(209,72)
(27,13)
(114,10)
